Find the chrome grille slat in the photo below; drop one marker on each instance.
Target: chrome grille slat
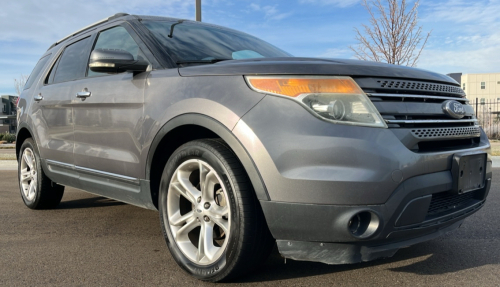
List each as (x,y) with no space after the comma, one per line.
(430,121)
(384,95)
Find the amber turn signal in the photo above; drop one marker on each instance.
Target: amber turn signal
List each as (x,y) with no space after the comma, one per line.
(293,87)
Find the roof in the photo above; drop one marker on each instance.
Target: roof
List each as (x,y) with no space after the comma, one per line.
(105,20)
(114,17)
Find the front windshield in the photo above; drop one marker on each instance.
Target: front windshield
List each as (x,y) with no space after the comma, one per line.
(195,42)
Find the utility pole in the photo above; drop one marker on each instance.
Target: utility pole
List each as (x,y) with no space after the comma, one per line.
(198,10)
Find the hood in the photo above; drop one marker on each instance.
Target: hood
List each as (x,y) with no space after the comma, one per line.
(313,66)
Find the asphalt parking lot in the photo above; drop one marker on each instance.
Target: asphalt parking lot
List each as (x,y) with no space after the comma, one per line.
(90,240)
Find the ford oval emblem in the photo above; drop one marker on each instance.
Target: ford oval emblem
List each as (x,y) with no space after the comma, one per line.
(454,109)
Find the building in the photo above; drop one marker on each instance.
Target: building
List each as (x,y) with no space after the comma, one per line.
(8,114)
(456,76)
(484,87)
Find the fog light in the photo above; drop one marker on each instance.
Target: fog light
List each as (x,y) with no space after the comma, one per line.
(363,224)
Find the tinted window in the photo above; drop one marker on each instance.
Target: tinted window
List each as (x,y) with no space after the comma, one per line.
(72,62)
(50,77)
(195,41)
(34,75)
(116,38)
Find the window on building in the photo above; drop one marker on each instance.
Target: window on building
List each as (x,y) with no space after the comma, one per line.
(482,101)
(463,86)
(483,85)
(498,82)
(4,108)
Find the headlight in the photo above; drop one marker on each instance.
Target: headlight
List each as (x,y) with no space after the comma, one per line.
(335,99)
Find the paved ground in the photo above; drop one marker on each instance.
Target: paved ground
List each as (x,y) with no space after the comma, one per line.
(7,154)
(8,165)
(90,240)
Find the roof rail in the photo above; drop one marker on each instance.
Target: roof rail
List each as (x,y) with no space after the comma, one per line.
(117,15)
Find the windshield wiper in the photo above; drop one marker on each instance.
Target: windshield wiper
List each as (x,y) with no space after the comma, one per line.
(211,61)
(172,28)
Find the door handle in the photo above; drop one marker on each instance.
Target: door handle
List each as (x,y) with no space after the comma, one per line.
(83,94)
(38,97)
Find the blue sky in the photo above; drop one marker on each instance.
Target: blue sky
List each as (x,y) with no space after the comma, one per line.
(465,34)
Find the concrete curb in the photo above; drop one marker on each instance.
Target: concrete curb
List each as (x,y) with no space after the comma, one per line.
(496,161)
(8,164)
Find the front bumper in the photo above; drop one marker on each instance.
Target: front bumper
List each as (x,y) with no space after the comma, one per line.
(338,253)
(321,233)
(318,175)
(404,216)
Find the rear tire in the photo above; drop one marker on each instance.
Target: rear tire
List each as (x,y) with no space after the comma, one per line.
(37,190)
(206,200)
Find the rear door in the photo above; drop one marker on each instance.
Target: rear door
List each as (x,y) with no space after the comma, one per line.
(108,122)
(52,111)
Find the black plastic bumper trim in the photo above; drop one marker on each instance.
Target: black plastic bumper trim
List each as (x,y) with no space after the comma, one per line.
(339,253)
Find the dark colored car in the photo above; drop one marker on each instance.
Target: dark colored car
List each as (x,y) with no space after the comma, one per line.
(240,145)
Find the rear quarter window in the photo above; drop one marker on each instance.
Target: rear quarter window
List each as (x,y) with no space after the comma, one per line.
(36,71)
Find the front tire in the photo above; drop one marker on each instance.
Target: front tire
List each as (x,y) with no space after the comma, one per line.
(210,217)
(37,190)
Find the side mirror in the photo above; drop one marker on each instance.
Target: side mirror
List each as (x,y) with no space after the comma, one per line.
(115,61)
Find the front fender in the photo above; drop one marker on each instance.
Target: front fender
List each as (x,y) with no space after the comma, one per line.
(223,132)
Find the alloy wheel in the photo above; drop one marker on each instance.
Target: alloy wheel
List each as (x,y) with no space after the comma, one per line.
(198,211)
(28,178)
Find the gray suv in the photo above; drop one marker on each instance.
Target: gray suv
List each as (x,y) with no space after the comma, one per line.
(241,146)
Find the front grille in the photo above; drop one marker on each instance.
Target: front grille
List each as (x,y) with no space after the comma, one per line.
(413,98)
(419,111)
(398,121)
(436,133)
(413,110)
(444,203)
(419,86)
(447,145)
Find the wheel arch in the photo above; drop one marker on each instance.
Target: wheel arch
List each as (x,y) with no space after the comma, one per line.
(188,127)
(23,132)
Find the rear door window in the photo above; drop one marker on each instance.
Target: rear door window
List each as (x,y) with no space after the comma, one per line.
(71,65)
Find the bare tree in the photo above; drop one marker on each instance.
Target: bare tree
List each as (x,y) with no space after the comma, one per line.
(19,83)
(393,35)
